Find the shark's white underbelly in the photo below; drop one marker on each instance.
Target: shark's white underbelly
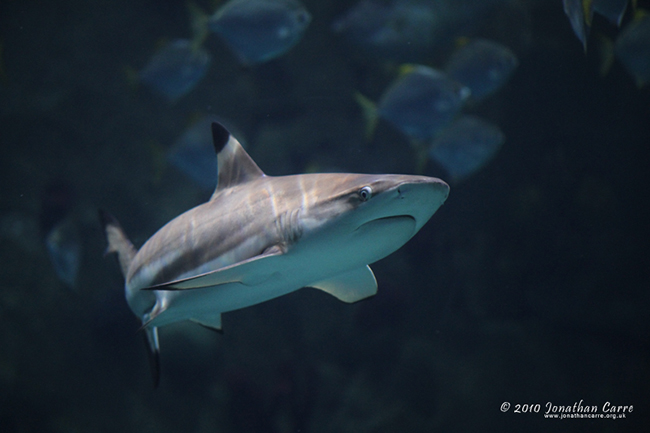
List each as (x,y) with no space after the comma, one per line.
(318,259)
(206,302)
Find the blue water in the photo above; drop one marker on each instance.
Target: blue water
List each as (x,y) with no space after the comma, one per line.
(529,286)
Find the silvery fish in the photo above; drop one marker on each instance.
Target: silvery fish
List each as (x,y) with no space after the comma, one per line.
(260,30)
(580,14)
(483,66)
(193,154)
(422,102)
(466,145)
(412,30)
(175,69)
(63,245)
(633,48)
(60,231)
(613,10)
(402,30)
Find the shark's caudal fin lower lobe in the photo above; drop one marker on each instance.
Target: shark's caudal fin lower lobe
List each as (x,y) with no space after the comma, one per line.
(153,350)
(119,243)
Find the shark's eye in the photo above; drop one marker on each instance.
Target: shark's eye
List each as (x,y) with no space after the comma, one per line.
(365,193)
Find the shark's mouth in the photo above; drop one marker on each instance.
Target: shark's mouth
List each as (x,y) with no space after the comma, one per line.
(378,238)
(396,223)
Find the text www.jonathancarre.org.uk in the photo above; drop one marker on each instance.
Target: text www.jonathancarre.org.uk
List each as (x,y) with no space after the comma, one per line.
(576,410)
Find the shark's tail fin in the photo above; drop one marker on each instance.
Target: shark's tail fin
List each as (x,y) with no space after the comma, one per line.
(118,242)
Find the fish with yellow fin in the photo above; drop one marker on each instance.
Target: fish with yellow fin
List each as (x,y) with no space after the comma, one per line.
(175,69)
(467,145)
(484,66)
(255,30)
(632,47)
(419,103)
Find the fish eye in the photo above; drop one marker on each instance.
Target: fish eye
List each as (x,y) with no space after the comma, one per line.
(365,193)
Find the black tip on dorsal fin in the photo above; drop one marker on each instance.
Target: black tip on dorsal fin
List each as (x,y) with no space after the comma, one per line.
(234,165)
(220,136)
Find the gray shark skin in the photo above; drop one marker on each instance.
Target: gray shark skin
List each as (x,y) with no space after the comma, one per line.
(260,237)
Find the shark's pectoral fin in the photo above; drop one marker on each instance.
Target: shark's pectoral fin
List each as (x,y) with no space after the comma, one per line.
(248,272)
(212,322)
(351,286)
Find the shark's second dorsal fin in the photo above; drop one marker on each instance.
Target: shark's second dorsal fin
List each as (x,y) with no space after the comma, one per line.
(234,164)
(118,242)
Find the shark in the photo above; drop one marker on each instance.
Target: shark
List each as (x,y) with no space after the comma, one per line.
(260,237)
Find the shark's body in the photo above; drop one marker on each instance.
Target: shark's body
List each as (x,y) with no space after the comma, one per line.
(260,237)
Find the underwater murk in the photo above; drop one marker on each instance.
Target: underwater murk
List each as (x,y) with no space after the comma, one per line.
(520,304)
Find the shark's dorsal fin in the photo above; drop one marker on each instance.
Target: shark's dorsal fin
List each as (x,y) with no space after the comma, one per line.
(234,164)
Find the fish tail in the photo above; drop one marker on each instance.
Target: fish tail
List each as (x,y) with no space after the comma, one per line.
(370,114)
(118,242)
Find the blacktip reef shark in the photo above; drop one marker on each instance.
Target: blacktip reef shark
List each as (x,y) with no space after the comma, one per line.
(260,237)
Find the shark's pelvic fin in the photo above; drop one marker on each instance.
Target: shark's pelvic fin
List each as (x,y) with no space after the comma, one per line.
(351,286)
(118,242)
(212,322)
(153,349)
(235,166)
(248,272)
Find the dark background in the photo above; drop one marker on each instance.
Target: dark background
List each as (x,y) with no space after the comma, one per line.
(530,285)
